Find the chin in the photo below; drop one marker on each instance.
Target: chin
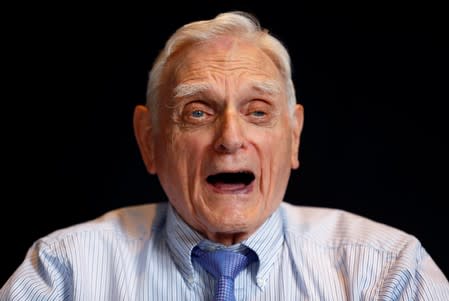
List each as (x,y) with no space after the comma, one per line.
(232,222)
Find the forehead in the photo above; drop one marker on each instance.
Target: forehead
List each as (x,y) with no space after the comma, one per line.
(224,57)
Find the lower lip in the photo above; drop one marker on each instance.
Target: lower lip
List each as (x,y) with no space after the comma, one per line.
(224,188)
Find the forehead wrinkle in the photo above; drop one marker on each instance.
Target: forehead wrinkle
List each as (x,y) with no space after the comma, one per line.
(232,64)
(201,76)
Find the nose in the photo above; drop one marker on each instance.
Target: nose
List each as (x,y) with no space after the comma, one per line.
(230,137)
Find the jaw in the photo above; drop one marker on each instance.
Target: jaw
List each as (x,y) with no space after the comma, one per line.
(231,214)
(227,226)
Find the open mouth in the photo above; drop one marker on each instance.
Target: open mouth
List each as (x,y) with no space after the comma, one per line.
(231,181)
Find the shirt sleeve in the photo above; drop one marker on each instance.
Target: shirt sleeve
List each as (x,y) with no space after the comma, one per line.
(43,275)
(415,276)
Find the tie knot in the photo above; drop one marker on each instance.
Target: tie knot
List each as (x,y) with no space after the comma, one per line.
(223,263)
(224,266)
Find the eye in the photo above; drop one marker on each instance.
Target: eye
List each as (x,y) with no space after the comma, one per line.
(197,114)
(258,113)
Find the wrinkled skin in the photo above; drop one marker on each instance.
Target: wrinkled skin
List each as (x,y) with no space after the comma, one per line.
(223,111)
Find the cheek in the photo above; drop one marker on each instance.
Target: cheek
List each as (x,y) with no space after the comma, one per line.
(272,145)
(178,163)
(184,151)
(274,154)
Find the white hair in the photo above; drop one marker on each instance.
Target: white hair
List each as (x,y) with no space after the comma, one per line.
(235,23)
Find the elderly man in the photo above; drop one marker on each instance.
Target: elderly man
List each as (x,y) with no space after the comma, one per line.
(221,130)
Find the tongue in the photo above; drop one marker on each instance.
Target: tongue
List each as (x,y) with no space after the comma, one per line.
(229,186)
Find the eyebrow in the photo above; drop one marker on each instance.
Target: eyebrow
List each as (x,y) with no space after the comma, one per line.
(186,90)
(270,87)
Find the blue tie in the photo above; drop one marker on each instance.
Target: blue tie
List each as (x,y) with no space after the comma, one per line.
(224,266)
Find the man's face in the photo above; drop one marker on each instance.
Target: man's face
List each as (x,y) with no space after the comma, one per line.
(225,142)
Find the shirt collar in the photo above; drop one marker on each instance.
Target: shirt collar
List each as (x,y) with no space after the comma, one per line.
(266,242)
(181,239)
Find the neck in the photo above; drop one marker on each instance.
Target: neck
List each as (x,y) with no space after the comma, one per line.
(226,239)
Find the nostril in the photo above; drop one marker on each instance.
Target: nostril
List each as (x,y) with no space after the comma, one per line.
(229,146)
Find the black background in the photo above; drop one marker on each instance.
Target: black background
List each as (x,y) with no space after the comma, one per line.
(373,80)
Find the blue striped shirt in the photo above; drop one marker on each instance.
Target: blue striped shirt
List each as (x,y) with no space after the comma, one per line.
(305,253)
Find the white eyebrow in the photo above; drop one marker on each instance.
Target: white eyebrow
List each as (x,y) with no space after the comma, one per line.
(271,87)
(186,90)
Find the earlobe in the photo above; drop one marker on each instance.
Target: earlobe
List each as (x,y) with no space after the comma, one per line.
(298,122)
(143,133)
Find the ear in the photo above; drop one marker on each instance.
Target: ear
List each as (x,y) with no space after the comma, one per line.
(144,134)
(298,120)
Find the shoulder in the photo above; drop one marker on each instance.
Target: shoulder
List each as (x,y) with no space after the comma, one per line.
(331,227)
(130,223)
